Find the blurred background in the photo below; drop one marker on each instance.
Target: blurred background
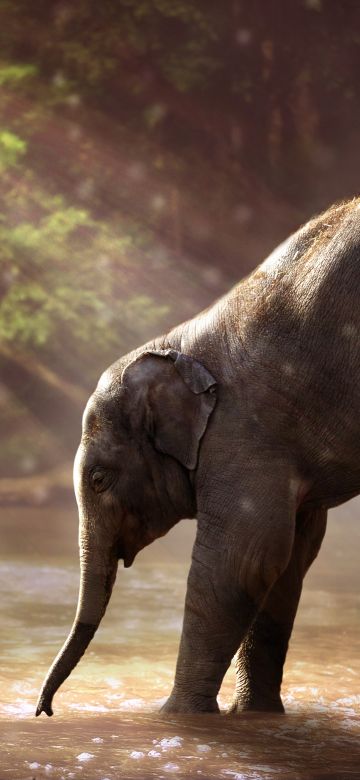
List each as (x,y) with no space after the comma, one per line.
(152,152)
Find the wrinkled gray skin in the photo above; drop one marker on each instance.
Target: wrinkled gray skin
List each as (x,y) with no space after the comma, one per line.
(248,418)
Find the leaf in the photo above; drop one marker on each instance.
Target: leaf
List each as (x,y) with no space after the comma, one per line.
(12,148)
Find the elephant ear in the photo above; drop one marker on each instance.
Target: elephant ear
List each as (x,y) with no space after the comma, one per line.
(173,395)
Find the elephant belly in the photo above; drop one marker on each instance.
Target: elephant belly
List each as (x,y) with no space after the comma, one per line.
(333,487)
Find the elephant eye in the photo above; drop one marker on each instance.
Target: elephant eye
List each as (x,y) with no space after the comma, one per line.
(100,479)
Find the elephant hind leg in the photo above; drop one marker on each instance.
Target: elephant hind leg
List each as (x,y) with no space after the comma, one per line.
(261,657)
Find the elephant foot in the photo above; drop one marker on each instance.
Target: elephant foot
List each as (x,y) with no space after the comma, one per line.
(256,704)
(184,704)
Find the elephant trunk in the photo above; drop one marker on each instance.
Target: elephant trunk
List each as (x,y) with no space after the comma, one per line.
(98,572)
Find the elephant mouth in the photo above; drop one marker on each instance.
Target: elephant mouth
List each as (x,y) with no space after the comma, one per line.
(127,556)
(129,560)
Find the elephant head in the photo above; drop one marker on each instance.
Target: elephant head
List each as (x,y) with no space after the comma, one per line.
(133,472)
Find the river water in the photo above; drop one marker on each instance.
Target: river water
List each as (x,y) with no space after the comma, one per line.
(106,724)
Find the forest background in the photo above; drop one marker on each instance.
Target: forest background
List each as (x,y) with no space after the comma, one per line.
(152,152)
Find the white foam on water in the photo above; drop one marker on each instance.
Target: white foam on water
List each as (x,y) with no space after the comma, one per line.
(89,707)
(170,742)
(132,704)
(85,756)
(19,709)
(112,682)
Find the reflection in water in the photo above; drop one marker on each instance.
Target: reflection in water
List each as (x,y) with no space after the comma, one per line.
(106,722)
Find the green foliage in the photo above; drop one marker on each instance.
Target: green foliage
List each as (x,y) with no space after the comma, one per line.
(14,74)
(23,316)
(141,308)
(12,148)
(57,282)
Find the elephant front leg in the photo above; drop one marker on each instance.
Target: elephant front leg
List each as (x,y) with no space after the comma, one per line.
(217,615)
(261,658)
(228,581)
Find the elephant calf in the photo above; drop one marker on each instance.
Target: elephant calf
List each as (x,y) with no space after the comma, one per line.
(246,417)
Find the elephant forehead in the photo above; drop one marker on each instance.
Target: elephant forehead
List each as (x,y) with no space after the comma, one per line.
(105,381)
(110,380)
(99,413)
(89,412)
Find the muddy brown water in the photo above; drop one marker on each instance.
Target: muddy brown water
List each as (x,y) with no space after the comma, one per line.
(106,724)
